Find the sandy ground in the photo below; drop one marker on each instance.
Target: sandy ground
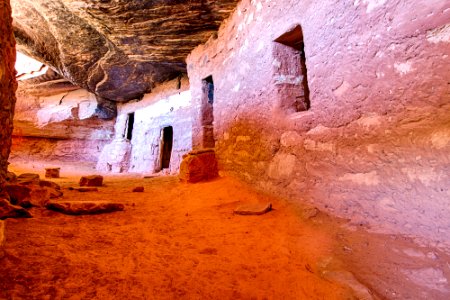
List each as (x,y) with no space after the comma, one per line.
(182,241)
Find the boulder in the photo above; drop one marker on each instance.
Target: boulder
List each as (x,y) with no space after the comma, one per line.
(253,209)
(28,178)
(2,237)
(53,193)
(53,189)
(7,210)
(138,189)
(84,207)
(39,196)
(19,194)
(92,180)
(199,165)
(52,172)
(27,195)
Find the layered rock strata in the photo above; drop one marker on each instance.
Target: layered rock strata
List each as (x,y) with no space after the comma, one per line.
(116,49)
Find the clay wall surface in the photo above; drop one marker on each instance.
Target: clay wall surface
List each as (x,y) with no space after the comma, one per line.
(374,147)
(8,86)
(58,126)
(169,104)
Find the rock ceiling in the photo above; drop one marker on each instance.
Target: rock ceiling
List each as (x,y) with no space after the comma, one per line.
(117,49)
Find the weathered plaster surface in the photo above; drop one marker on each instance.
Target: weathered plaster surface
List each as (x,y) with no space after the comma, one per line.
(375,146)
(169,104)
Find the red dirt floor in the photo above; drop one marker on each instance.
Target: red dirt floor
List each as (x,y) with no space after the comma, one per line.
(182,241)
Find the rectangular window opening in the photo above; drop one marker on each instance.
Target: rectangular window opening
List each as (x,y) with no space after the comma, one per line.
(291,73)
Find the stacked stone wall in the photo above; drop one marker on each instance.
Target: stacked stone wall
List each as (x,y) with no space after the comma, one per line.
(374,147)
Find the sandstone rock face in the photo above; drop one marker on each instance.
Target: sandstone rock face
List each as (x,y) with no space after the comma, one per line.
(118,49)
(26,149)
(58,125)
(7,210)
(59,115)
(2,237)
(8,86)
(92,180)
(84,207)
(198,166)
(374,145)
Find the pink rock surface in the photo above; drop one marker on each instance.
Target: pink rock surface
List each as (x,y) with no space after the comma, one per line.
(199,166)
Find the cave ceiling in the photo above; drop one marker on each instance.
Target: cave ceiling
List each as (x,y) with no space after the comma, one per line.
(117,49)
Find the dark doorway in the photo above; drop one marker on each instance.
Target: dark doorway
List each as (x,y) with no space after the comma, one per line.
(166,146)
(130,126)
(207,110)
(290,51)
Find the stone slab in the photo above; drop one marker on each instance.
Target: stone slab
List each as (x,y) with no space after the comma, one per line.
(253,209)
(28,178)
(84,189)
(84,207)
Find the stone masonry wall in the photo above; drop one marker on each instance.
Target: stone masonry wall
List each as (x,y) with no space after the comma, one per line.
(374,147)
(8,85)
(169,104)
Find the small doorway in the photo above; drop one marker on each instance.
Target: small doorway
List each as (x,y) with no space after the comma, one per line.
(166,146)
(207,110)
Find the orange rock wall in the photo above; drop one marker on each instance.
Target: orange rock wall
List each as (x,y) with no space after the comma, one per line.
(8,85)
(375,145)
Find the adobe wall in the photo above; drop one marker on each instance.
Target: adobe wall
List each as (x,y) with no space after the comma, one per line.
(375,145)
(169,104)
